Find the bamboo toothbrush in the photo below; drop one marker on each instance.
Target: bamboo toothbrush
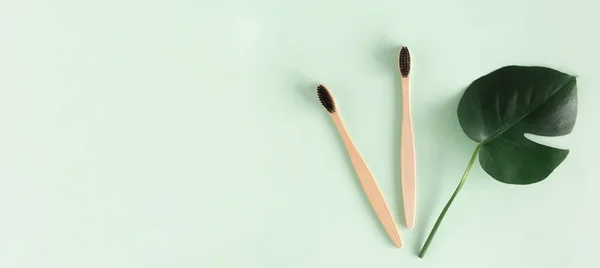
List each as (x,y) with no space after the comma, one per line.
(364,175)
(407,147)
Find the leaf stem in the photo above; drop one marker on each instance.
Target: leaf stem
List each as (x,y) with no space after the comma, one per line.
(441,217)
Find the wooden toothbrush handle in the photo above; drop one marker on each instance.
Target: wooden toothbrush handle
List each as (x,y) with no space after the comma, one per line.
(407,159)
(369,185)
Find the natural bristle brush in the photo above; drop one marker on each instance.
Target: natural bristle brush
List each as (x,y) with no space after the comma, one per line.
(364,175)
(407,147)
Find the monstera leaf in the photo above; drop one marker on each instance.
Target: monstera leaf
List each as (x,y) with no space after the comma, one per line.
(498,109)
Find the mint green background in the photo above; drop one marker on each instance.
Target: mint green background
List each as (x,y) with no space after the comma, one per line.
(188,134)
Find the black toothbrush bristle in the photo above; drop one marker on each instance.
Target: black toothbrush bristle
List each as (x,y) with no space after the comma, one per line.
(404,62)
(326,99)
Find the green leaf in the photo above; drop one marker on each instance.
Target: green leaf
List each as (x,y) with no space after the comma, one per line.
(498,109)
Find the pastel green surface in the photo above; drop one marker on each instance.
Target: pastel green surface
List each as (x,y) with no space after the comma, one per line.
(188,133)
